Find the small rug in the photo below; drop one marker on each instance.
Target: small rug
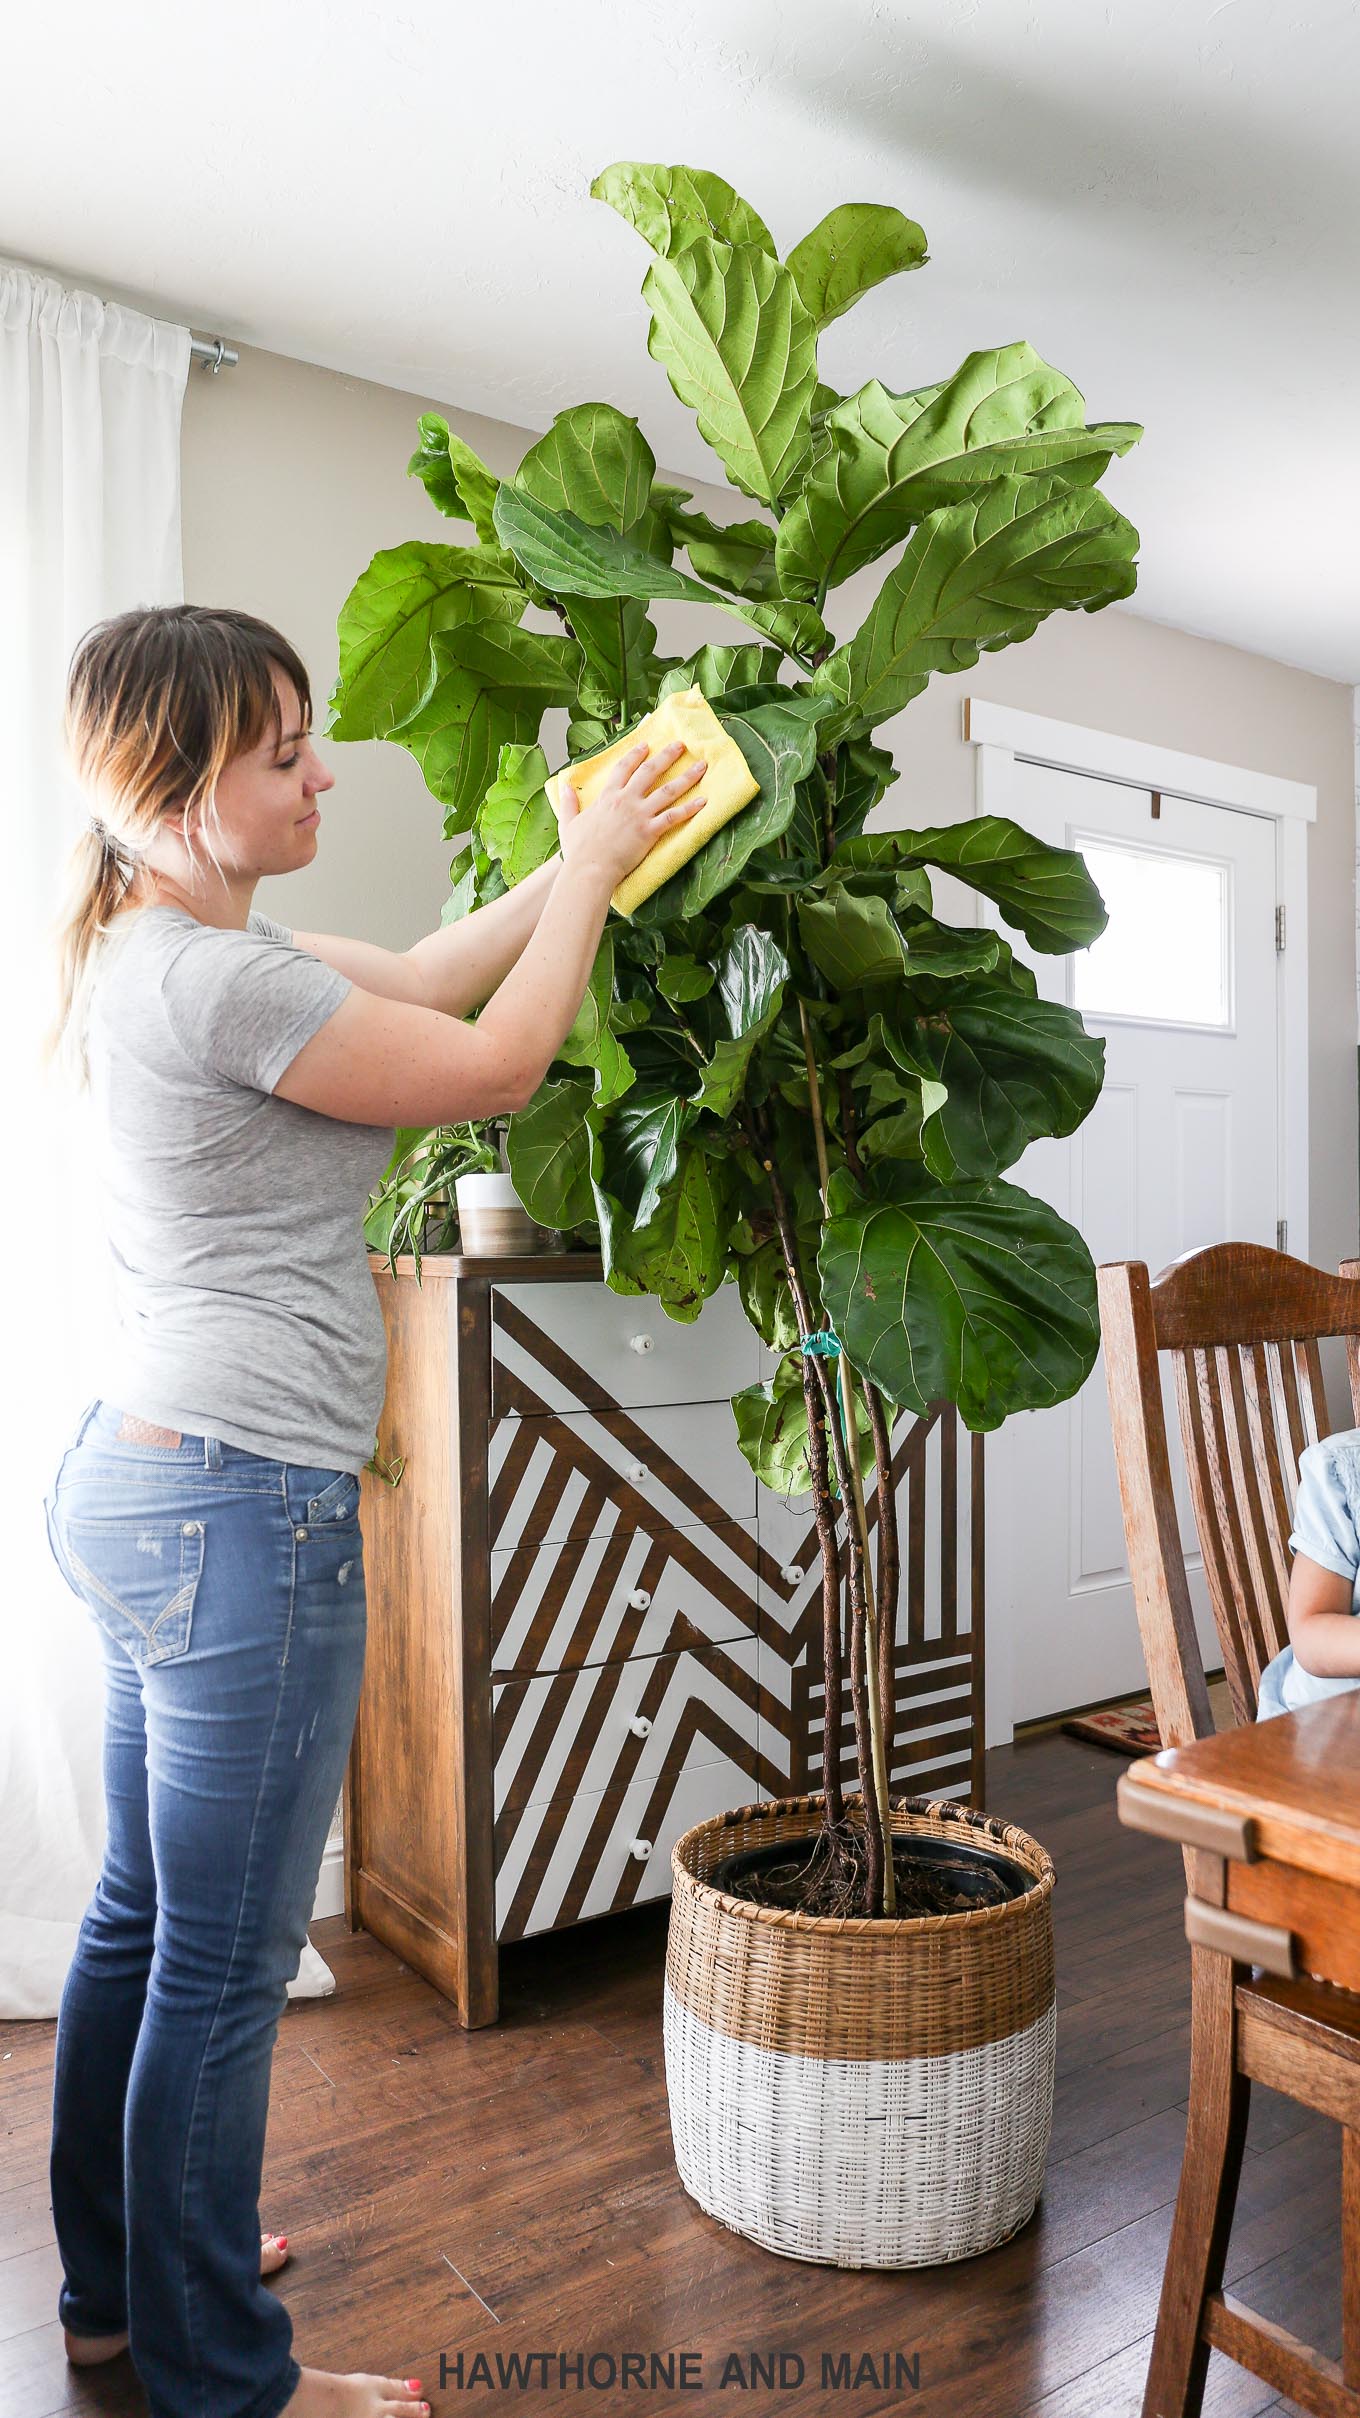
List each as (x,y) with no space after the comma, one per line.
(1130,1729)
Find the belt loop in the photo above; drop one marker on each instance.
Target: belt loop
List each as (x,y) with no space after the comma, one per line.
(212,1452)
(85,1417)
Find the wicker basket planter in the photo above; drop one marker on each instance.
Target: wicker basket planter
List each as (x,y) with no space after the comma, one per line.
(865,2094)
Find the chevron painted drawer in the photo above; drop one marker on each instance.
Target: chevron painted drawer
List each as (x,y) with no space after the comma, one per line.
(588,1627)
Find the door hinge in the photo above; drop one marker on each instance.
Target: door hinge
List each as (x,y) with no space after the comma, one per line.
(1282,1234)
(1279,928)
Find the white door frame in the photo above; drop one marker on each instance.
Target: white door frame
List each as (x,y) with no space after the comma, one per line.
(1002,736)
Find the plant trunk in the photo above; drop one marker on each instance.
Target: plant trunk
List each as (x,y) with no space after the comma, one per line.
(862,1697)
(831,1601)
(889,1573)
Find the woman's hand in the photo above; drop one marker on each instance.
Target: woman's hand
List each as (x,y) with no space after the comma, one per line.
(630,815)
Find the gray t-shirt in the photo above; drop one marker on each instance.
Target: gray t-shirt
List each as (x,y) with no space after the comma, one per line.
(246,1305)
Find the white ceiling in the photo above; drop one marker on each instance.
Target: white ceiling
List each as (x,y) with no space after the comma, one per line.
(1162,195)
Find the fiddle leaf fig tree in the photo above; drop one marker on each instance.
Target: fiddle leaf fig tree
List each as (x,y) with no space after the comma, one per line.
(788,1071)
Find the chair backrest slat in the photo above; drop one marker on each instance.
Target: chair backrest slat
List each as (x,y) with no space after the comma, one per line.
(1243,1326)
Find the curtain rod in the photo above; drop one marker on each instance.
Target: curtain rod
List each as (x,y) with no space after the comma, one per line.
(214,352)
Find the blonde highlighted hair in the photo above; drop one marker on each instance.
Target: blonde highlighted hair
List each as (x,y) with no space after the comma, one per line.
(158,702)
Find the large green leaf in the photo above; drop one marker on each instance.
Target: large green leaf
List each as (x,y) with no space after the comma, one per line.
(640,1144)
(1013,1069)
(849,251)
(977,575)
(891,459)
(738,554)
(772,1430)
(548,1147)
(681,1253)
(778,742)
(454,477)
(976,1293)
(741,350)
(517,824)
(669,207)
(713,670)
(594,461)
(591,1041)
(1045,892)
(853,941)
(389,619)
(752,972)
(493,684)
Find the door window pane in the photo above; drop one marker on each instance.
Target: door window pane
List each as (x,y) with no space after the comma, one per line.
(1165,957)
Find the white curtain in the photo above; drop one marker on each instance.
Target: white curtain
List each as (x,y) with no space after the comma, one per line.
(90,401)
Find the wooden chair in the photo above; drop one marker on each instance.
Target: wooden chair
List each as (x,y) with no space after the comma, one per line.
(1242,1325)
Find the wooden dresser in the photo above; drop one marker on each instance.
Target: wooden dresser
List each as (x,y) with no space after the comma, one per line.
(588,1626)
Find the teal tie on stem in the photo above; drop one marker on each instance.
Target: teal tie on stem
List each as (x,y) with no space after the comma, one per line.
(824,1346)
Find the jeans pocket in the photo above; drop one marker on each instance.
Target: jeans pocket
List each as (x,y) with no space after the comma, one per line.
(138,1577)
(336,1503)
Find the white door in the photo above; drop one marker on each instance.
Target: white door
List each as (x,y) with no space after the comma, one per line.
(1180,1150)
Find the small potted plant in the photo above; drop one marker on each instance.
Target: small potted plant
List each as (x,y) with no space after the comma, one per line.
(446,1188)
(790,1073)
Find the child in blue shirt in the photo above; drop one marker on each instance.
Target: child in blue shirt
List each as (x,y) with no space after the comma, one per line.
(1323,1654)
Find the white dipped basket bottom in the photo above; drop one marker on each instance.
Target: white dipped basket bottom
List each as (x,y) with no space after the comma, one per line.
(863,2093)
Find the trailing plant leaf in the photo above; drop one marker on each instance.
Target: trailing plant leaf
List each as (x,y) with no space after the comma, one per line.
(849,252)
(669,207)
(977,575)
(548,1149)
(974,1292)
(1013,1068)
(891,459)
(1045,892)
(517,825)
(390,617)
(740,349)
(455,478)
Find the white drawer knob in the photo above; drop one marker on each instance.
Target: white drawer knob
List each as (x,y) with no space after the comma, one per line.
(640,1726)
(641,1343)
(641,1848)
(640,1599)
(638,1472)
(791,1574)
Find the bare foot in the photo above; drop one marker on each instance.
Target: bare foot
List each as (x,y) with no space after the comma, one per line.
(319,2395)
(91,2350)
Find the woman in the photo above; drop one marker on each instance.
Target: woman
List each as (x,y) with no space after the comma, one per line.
(247,1086)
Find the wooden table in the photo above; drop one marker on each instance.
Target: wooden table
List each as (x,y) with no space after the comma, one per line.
(1268,1816)
(1277,1805)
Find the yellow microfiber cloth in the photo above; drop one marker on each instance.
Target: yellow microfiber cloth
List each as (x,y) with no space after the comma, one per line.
(727,785)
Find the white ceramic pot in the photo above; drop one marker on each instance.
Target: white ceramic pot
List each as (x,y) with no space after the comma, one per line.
(493,1222)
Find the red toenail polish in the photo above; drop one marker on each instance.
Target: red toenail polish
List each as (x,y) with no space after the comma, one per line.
(282,2240)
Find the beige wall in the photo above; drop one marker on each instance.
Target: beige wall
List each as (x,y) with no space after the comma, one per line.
(294,477)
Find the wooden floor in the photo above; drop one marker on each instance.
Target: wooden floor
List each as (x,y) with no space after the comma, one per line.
(513,2189)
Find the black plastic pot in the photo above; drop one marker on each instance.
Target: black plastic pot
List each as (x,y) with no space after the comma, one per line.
(978,1875)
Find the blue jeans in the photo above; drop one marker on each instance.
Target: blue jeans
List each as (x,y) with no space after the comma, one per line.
(229,1595)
